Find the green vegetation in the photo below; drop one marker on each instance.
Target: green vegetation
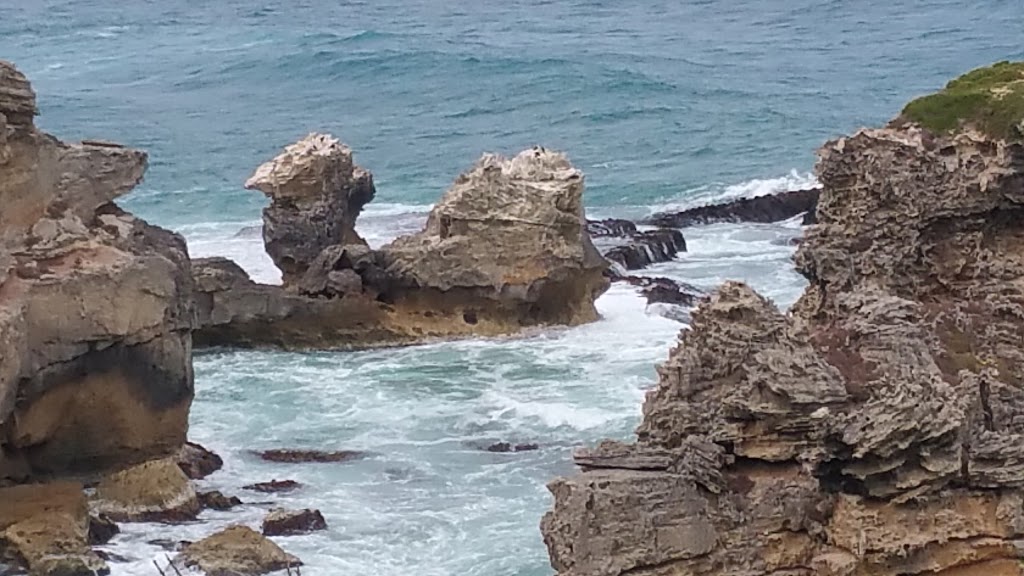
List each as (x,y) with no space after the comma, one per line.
(990,99)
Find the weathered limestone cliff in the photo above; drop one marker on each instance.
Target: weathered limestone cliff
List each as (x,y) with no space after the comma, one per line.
(95,306)
(505,248)
(875,429)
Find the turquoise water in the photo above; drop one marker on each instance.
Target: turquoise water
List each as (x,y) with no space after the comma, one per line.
(660,103)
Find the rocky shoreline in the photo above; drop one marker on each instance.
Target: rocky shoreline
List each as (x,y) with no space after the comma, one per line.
(872,429)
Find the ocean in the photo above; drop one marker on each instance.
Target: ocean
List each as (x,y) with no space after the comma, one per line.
(661,104)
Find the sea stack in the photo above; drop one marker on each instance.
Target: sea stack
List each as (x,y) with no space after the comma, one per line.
(876,428)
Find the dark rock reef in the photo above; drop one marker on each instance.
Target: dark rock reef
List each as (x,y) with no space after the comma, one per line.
(505,248)
(762,209)
(873,430)
(95,306)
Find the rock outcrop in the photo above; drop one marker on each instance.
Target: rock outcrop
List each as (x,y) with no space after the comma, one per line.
(95,306)
(237,550)
(505,248)
(875,429)
(316,193)
(760,209)
(281,522)
(155,491)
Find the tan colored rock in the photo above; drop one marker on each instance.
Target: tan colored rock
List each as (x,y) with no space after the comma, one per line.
(155,491)
(237,550)
(46,528)
(316,194)
(876,429)
(95,307)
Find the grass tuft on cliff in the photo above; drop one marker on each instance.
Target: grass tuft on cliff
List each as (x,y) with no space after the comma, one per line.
(990,99)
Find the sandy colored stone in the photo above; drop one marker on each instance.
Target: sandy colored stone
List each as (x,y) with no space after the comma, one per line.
(153,491)
(237,550)
(877,428)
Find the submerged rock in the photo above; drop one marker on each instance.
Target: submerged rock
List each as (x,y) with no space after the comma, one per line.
(281,522)
(509,447)
(95,306)
(274,486)
(762,209)
(875,429)
(198,462)
(155,491)
(307,456)
(316,193)
(237,550)
(660,290)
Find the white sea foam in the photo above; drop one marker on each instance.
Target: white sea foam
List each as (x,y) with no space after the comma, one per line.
(708,195)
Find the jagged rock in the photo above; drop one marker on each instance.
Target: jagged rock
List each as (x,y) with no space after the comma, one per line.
(45,527)
(875,429)
(310,456)
(101,530)
(659,290)
(236,550)
(763,209)
(198,462)
(274,486)
(95,311)
(155,491)
(281,522)
(216,501)
(316,194)
(508,241)
(646,248)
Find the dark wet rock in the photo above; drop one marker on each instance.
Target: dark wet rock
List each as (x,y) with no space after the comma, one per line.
(611,227)
(648,247)
(169,545)
(762,209)
(509,447)
(215,500)
(664,290)
(198,462)
(310,456)
(281,522)
(101,529)
(274,486)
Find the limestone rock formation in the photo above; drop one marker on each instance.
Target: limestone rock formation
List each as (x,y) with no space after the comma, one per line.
(763,209)
(155,491)
(316,194)
(237,550)
(45,528)
(507,241)
(95,306)
(875,429)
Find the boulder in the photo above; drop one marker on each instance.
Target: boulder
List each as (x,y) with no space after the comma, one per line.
(216,501)
(155,491)
(876,427)
(45,528)
(281,522)
(101,530)
(316,193)
(197,462)
(237,550)
(761,209)
(95,307)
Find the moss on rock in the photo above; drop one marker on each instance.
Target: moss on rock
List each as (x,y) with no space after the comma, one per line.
(990,99)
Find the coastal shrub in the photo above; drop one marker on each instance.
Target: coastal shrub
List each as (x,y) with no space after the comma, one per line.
(990,99)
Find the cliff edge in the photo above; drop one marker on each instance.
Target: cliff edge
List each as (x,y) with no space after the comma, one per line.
(878,427)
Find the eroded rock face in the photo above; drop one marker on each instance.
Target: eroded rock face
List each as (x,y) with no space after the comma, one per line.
(875,429)
(316,193)
(508,241)
(95,306)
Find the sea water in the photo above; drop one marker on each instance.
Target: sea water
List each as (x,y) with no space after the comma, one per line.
(662,104)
